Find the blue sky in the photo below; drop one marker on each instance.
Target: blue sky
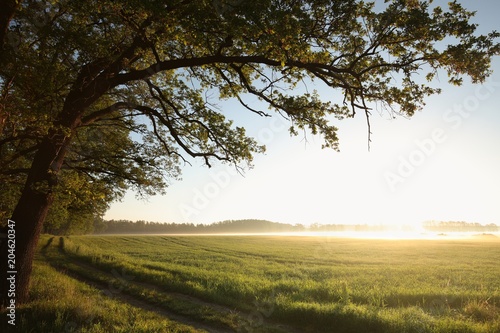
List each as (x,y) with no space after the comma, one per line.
(442,164)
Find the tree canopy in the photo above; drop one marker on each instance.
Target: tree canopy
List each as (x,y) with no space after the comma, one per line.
(98,96)
(158,69)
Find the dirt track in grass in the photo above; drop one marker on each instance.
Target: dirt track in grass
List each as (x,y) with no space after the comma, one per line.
(241,322)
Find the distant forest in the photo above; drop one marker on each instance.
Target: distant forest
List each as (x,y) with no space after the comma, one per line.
(263,226)
(454,226)
(238,226)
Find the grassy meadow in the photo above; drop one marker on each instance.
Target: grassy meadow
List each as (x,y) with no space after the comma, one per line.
(262,284)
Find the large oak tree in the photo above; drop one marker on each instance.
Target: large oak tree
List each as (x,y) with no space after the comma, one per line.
(120,93)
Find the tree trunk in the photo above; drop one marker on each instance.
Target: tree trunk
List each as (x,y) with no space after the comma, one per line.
(31,210)
(28,217)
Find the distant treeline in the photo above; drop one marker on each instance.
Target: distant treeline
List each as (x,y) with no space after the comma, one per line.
(230,226)
(263,226)
(239,226)
(459,226)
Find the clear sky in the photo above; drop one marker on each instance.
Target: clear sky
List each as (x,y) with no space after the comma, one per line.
(442,164)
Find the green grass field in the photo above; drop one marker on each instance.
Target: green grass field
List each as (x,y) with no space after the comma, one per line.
(263,284)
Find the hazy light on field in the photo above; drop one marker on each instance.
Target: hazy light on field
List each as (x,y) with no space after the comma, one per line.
(368,235)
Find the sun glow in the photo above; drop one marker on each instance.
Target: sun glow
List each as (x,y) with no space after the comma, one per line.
(374,235)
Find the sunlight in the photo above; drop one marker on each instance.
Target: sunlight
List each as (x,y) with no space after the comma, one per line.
(382,235)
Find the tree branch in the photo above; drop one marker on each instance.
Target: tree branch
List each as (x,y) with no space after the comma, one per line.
(94,116)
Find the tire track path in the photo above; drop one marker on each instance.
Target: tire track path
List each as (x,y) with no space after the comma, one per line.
(240,319)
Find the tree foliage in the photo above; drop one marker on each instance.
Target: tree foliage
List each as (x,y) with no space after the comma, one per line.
(98,96)
(158,68)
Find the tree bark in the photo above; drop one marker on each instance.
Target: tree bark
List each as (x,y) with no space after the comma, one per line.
(28,216)
(37,194)
(32,208)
